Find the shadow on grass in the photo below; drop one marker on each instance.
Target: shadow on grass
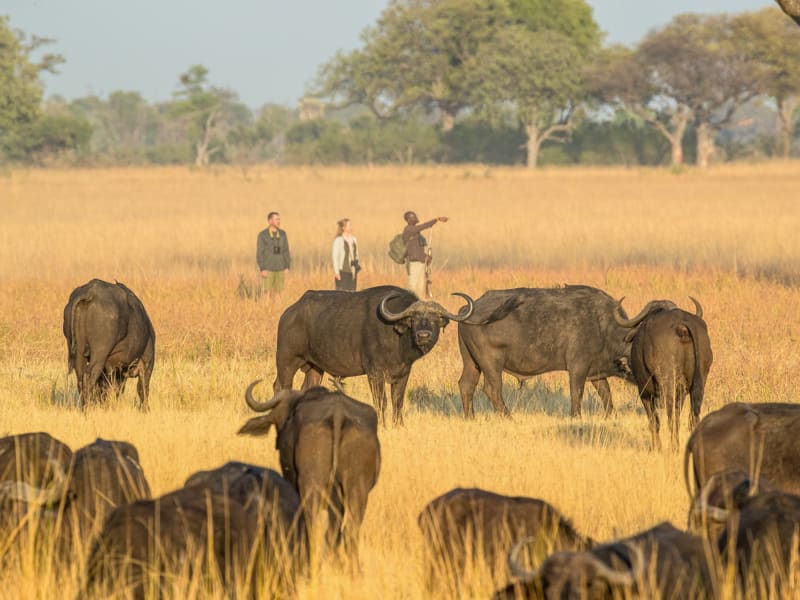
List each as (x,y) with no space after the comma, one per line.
(530,398)
(63,394)
(608,433)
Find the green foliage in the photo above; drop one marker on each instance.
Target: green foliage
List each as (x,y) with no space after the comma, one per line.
(571,18)
(20,88)
(475,140)
(49,137)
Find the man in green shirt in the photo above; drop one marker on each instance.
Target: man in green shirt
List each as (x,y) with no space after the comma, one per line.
(272,256)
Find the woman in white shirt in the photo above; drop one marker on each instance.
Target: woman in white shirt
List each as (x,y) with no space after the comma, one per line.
(345,257)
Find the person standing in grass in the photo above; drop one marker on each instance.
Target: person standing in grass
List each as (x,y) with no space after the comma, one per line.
(346,264)
(272,256)
(416,256)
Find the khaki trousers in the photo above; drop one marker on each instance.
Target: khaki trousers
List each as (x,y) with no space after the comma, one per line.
(416,278)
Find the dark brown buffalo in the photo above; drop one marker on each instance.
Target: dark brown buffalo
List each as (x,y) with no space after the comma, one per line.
(791,8)
(33,477)
(378,332)
(269,499)
(670,357)
(329,450)
(187,535)
(763,539)
(529,331)
(470,526)
(720,499)
(103,475)
(763,440)
(662,562)
(109,339)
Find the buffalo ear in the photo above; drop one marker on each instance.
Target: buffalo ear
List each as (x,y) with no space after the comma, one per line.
(630,335)
(402,326)
(257,426)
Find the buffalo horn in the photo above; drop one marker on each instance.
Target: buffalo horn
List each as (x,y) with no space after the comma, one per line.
(255,404)
(698,309)
(516,569)
(651,306)
(390,316)
(25,492)
(612,576)
(461,316)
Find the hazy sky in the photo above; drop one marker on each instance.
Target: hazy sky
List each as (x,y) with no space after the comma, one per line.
(266,50)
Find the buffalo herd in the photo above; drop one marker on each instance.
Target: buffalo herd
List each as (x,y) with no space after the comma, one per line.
(242,527)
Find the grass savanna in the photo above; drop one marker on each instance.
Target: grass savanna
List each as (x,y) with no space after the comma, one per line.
(180,239)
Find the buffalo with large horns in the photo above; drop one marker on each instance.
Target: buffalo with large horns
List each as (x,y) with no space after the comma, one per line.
(670,358)
(378,332)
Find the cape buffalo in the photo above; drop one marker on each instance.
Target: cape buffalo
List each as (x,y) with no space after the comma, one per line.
(670,357)
(109,339)
(378,332)
(465,526)
(720,499)
(269,499)
(329,450)
(529,331)
(190,532)
(763,440)
(103,475)
(33,475)
(762,539)
(662,562)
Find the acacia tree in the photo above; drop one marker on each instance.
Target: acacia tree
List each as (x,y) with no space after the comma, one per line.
(694,64)
(617,78)
(534,75)
(204,107)
(771,41)
(422,53)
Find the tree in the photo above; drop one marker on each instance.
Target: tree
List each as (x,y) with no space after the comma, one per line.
(771,42)
(204,107)
(534,75)
(20,88)
(696,70)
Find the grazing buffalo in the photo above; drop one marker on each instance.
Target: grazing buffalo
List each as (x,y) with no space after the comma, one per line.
(762,539)
(670,357)
(378,332)
(662,562)
(528,331)
(269,499)
(109,339)
(33,476)
(791,8)
(190,535)
(329,450)
(103,475)
(763,440)
(720,499)
(467,526)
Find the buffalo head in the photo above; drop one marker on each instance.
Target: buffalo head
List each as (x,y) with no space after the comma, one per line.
(279,409)
(573,575)
(424,318)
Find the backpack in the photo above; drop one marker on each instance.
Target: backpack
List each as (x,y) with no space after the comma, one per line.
(397,249)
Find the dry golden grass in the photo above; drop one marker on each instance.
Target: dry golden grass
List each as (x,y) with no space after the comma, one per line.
(181,238)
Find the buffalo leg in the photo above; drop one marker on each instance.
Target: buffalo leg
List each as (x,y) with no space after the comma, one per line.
(577,381)
(96,370)
(493,388)
(143,386)
(604,391)
(377,386)
(653,421)
(467,383)
(285,377)
(313,377)
(398,397)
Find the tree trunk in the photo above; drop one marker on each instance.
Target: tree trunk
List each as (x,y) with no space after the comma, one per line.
(786,108)
(705,144)
(532,145)
(679,121)
(202,156)
(448,121)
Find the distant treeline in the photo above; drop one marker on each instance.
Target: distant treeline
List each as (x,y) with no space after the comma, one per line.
(448,81)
